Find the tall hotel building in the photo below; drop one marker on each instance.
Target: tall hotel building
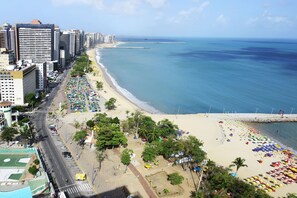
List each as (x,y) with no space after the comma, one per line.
(35,42)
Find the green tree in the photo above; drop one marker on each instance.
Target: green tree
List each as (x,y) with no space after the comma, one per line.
(90,123)
(149,153)
(291,195)
(238,162)
(27,133)
(153,135)
(31,99)
(8,134)
(193,148)
(169,147)
(76,124)
(36,161)
(147,125)
(175,178)
(110,104)
(99,85)
(109,136)
(126,157)
(33,170)
(80,137)
(167,128)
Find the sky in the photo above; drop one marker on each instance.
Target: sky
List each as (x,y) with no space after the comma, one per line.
(172,18)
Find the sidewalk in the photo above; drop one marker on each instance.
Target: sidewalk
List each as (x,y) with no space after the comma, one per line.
(141,179)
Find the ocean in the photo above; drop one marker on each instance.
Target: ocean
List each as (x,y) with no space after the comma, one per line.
(283,132)
(183,75)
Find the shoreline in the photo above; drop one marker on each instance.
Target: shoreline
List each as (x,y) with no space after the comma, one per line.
(141,105)
(205,126)
(245,117)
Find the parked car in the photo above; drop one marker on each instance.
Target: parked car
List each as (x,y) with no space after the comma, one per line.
(67,154)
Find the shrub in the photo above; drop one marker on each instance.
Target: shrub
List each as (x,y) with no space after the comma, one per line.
(36,161)
(166,191)
(175,178)
(33,170)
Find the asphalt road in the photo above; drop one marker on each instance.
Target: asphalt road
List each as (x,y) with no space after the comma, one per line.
(54,158)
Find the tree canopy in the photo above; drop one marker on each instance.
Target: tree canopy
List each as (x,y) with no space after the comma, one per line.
(80,137)
(110,104)
(27,133)
(8,134)
(126,157)
(99,85)
(238,163)
(81,66)
(108,132)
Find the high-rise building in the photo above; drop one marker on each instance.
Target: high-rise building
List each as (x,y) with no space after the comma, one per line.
(77,41)
(56,44)
(12,40)
(72,44)
(35,42)
(3,39)
(16,82)
(41,81)
(82,40)
(5,36)
(64,48)
(6,57)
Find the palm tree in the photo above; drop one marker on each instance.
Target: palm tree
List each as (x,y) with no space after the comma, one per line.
(238,162)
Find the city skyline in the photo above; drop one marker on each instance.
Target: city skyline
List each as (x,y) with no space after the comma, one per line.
(191,18)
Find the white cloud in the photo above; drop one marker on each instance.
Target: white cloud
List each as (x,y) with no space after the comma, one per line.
(156,3)
(116,6)
(267,19)
(124,6)
(188,12)
(97,3)
(221,19)
(184,14)
(203,6)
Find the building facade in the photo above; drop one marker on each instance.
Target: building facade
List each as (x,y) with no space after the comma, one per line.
(5,114)
(6,57)
(64,48)
(17,82)
(35,42)
(56,44)
(41,81)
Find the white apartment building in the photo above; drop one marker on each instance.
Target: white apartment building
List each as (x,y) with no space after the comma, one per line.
(56,44)
(41,74)
(16,82)
(6,57)
(5,114)
(35,42)
(72,44)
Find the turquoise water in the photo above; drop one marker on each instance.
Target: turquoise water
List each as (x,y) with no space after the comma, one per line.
(206,75)
(283,132)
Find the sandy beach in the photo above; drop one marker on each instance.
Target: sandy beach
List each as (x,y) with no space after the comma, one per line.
(223,141)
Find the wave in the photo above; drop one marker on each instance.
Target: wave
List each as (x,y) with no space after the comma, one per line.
(141,104)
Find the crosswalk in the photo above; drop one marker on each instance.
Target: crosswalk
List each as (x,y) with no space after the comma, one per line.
(78,188)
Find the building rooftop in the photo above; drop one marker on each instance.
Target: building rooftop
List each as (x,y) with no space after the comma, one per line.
(5,103)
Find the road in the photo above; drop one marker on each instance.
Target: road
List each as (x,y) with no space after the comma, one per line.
(53,157)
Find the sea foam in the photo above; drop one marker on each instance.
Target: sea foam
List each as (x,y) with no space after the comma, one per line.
(141,104)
